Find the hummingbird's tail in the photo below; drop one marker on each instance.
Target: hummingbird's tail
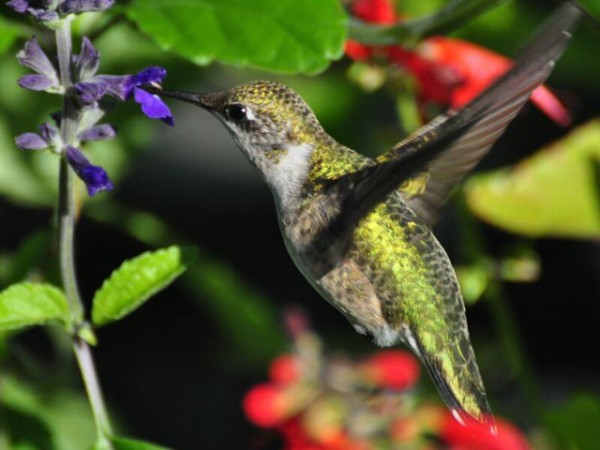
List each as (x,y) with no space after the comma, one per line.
(455,374)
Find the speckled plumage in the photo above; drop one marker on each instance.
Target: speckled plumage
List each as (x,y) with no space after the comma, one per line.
(360,229)
(394,281)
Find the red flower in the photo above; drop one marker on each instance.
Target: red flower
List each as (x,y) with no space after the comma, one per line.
(392,369)
(381,12)
(449,72)
(284,369)
(476,436)
(375,11)
(265,405)
(296,438)
(477,67)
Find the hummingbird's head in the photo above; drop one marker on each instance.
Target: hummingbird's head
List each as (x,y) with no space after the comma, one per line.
(273,126)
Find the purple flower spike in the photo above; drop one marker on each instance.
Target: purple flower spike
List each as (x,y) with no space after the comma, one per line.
(95,177)
(86,64)
(19,6)
(79,6)
(153,107)
(30,141)
(98,133)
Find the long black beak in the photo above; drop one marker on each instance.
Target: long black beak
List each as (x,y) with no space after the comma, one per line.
(189,97)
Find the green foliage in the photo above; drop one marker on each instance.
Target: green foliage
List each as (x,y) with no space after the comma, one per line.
(280,35)
(48,419)
(28,255)
(136,280)
(246,316)
(27,304)
(553,193)
(576,423)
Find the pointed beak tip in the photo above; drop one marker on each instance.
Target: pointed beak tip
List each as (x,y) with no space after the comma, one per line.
(188,97)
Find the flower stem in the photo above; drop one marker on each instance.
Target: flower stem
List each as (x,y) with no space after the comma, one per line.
(92,386)
(66,234)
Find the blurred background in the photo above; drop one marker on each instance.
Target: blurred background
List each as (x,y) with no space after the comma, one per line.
(175,371)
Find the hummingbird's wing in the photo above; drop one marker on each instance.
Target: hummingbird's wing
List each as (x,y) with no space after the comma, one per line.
(453,143)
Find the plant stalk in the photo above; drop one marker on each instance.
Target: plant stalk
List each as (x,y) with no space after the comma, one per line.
(66,234)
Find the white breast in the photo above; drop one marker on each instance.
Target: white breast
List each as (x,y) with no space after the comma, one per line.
(288,175)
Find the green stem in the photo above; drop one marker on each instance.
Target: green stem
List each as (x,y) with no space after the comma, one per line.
(452,16)
(66,234)
(92,386)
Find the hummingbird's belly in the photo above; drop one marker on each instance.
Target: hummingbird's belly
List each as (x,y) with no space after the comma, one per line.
(394,274)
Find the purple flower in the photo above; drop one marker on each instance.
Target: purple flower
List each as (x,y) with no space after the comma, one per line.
(33,57)
(79,6)
(125,87)
(88,60)
(19,6)
(152,105)
(48,137)
(98,133)
(51,10)
(95,177)
(30,141)
(90,93)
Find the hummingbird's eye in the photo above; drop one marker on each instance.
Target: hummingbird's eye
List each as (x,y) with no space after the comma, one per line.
(237,113)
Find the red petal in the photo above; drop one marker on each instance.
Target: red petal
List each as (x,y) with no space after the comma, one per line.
(284,369)
(358,51)
(478,437)
(547,102)
(375,11)
(265,405)
(479,67)
(394,369)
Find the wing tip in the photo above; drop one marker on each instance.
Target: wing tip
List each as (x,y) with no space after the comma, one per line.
(485,421)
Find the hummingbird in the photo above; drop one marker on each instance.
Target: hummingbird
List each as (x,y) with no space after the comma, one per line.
(360,229)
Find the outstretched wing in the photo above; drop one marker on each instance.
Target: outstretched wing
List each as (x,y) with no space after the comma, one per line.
(491,113)
(453,143)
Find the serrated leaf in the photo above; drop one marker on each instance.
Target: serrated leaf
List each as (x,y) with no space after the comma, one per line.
(27,304)
(136,281)
(131,444)
(553,193)
(286,36)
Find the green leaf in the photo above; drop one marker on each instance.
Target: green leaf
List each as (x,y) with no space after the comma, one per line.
(44,418)
(26,304)
(553,193)
(131,444)
(287,36)
(576,423)
(136,281)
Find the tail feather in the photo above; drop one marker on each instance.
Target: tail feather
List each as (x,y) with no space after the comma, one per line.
(462,391)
